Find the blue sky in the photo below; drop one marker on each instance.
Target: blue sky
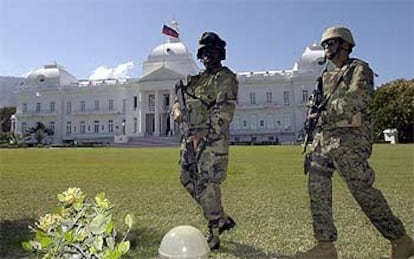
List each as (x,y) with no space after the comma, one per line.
(84,35)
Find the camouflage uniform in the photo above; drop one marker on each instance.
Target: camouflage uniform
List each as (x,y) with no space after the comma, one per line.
(343,143)
(211,101)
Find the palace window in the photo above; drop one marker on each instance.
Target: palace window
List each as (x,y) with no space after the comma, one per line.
(269,97)
(82,127)
(110,126)
(82,106)
(96,126)
(68,107)
(252,98)
(52,106)
(38,107)
(52,126)
(151,102)
(305,96)
(286,98)
(68,128)
(96,105)
(111,105)
(25,107)
(135,102)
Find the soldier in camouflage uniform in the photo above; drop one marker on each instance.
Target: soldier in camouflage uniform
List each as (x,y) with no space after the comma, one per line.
(211,101)
(343,142)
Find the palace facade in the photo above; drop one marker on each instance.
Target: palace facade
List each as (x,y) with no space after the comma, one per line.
(270,105)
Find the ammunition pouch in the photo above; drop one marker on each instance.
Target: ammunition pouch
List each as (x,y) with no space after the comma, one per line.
(318,165)
(354,122)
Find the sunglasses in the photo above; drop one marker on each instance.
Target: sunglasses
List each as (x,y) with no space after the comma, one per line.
(329,43)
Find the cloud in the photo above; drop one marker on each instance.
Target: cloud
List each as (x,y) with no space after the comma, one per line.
(121,71)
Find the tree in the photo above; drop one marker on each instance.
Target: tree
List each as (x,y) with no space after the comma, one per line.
(5,114)
(393,107)
(37,133)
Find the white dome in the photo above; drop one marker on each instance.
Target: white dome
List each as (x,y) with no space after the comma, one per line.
(173,55)
(50,76)
(310,58)
(184,242)
(169,50)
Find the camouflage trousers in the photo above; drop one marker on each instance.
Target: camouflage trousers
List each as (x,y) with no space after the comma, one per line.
(204,185)
(347,155)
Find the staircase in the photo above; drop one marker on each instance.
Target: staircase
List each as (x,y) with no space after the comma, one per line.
(151,141)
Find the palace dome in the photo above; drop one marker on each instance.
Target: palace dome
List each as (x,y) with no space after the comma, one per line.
(169,50)
(50,76)
(173,55)
(310,58)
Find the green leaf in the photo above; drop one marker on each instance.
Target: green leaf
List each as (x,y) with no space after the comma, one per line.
(101,201)
(113,254)
(79,235)
(43,239)
(110,242)
(129,220)
(68,236)
(61,197)
(27,246)
(109,227)
(123,247)
(98,243)
(77,205)
(98,224)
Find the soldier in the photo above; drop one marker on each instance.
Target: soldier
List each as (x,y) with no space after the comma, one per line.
(343,142)
(210,99)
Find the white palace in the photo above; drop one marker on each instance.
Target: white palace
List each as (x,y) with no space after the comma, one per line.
(270,105)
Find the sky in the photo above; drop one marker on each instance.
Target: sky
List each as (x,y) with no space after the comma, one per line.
(113,37)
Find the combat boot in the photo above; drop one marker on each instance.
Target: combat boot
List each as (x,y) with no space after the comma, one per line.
(227,225)
(323,250)
(213,238)
(402,248)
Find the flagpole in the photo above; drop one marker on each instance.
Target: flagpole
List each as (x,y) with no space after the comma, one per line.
(163,52)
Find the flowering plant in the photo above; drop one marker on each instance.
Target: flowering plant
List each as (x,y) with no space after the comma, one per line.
(78,228)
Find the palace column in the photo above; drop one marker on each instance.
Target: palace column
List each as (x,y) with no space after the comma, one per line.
(141,115)
(157,114)
(171,118)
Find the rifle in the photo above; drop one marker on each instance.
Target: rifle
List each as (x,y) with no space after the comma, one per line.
(318,102)
(186,132)
(314,108)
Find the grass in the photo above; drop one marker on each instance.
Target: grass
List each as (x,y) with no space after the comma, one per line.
(265,191)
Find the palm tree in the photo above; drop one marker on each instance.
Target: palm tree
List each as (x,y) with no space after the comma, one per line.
(37,133)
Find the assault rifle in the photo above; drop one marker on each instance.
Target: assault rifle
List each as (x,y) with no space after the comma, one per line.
(186,132)
(314,108)
(318,101)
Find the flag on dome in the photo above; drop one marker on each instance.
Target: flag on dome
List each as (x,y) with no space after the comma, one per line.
(170,31)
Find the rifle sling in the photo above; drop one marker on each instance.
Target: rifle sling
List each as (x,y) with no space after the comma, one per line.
(209,105)
(336,85)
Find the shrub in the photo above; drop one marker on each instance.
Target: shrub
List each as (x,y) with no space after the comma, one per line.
(79,228)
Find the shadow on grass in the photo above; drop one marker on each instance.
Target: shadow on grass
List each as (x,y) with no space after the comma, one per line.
(141,239)
(12,234)
(246,251)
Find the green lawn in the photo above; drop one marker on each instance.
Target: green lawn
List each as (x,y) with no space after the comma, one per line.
(265,191)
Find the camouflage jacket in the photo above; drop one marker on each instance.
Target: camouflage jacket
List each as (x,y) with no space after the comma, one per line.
(348,107)
(211,101)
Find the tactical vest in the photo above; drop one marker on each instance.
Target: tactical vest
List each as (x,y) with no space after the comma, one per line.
(202,91)
(342,110)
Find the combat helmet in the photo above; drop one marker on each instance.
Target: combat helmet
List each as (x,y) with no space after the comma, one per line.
(211,40)
(338,32)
